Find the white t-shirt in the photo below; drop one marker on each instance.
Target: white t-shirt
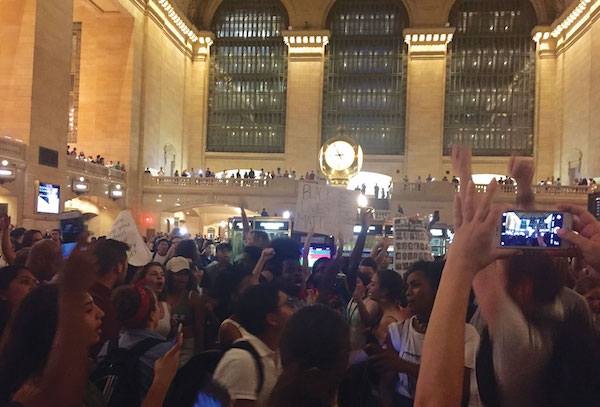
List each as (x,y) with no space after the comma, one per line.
(237,372)
(158,258)
(409,344)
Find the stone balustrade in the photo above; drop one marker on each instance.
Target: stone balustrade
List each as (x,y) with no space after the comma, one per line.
(203,181)
(92,169)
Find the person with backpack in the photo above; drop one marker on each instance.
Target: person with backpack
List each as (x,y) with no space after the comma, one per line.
(251,368)
(126,367)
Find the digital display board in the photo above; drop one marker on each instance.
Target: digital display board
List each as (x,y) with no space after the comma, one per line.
(48,199)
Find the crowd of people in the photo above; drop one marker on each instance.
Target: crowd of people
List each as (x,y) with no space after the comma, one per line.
(90,159)
(241,174)
(196,327)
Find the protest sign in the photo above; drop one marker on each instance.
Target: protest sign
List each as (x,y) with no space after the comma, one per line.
(325,210)
(411,243)
(124,230)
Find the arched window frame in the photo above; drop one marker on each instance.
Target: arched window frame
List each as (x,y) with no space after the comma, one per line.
(490,77)
(367,94)
(248,78)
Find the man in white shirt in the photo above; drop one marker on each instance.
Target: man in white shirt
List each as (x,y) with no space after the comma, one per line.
(262,311)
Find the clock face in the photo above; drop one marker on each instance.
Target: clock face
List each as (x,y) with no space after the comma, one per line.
(339,155)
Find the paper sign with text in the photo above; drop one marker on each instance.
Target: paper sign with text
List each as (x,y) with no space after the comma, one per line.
(124,230)
(326,210)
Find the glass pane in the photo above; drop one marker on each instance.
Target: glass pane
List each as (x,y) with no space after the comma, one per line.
(248,73)
(365,74)
(490,81)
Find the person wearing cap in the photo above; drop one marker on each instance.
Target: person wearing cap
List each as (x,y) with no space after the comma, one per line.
(221,266)
(188,307)
(137,311)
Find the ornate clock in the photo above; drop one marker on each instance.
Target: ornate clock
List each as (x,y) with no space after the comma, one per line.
(341,158)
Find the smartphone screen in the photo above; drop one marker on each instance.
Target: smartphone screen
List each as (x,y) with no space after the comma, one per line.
(533,229)
(67,248)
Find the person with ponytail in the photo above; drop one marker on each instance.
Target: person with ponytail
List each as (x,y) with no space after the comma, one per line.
(137,311)
(315,346)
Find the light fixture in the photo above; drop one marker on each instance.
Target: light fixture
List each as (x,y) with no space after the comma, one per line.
(116,192)
(362,201)
(6,173)
(286,214)
(179,23)
(79,187)
(223,224)
(571,17)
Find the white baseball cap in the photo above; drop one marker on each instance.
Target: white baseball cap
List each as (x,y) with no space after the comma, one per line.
(176,264)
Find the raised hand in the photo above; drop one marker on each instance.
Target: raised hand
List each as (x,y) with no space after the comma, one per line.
(461,163)
(4,222)
(475,222)
(521,169)
(587,240)
(366,217)
(166,367)
(267,254)
(81,268)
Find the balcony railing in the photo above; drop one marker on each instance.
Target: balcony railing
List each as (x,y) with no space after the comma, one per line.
(188,181)
(12,148)
(93,169)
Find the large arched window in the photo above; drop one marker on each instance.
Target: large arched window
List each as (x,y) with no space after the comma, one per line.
(248,73)
(490,83)
(365,74)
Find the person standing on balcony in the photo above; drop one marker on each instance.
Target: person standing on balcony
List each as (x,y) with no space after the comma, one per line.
(429,179)
(176,173)
(312,175)
(376,188)
(363,188)
(74,152)
(251,174)
(161,171)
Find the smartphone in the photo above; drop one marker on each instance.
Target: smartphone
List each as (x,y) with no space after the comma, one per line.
(533,229)
(179,329)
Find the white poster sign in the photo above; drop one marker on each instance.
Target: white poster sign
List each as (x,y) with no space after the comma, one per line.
(411,243)
(325,210)
(124,230)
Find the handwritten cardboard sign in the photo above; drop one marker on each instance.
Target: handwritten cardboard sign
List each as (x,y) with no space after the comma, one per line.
(326,210)
(124,230)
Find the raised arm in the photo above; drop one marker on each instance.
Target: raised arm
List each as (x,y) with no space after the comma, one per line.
(7,248)
(245,222)
(64,378)
(441,373)
(366,217)
(305,253)
(327,286)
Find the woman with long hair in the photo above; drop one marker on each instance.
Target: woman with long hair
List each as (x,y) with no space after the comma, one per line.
(387,290)
(153,276)
(15,283)
(29,340)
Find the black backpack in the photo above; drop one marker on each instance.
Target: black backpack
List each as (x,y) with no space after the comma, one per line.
(197,374)
(117,376)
